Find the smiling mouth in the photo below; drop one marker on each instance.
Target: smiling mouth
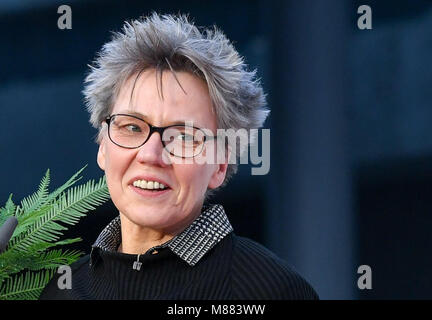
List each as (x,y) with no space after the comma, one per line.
(153,186)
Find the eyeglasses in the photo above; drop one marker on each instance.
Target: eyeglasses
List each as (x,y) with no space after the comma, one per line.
(131,132)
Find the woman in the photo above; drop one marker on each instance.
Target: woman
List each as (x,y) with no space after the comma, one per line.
(158,92)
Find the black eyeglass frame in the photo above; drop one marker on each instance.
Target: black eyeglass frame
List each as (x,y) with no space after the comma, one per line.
(159,130)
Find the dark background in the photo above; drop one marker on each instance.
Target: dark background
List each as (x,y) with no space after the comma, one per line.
(351,144)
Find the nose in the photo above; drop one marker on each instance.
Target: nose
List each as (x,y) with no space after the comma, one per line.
(152,152)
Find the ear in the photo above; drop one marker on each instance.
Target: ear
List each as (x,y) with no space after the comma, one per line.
(218,176)
(222,160)
(101,155)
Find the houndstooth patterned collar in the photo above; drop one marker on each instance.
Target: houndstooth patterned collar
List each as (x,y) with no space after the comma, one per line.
(190,245)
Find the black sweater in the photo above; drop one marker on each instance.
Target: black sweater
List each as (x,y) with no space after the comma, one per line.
(235,268)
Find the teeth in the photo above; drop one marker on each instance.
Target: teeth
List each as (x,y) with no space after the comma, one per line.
(151,185)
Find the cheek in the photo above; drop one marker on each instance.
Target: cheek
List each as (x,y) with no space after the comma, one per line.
(116,166)
(193,177)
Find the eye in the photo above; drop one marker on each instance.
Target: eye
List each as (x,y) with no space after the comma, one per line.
(132,128)
(185,137)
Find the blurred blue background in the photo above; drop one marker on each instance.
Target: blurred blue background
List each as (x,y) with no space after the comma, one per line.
(351,145)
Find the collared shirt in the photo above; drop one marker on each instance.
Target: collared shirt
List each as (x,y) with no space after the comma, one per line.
(190,245)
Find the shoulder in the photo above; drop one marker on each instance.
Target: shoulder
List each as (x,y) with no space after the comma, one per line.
(53,292)
(260,274)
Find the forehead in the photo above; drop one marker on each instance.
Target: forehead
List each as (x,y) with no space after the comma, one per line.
(162,100)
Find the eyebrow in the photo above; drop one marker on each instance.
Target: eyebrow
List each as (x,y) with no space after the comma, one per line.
(146,118)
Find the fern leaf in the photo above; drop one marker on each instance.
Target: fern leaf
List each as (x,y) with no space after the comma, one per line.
(8,210)
(54,258)
(68,210)
(65,242)
(27,286)
(72,180)
(42,219)
(36,200)
(24,221)
(14,261)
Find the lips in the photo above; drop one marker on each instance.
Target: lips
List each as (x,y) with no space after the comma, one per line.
(150,178)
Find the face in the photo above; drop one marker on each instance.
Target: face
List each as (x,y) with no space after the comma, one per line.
(171,210)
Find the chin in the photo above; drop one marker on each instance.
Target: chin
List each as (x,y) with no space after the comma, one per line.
(151,218)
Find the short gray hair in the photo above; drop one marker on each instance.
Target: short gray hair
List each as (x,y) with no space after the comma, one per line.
(172,42)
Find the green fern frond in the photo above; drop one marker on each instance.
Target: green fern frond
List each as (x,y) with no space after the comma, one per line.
(65,242)
(10,265)
(14,261)
(24,221)
(8,210)
(27,286)
(72,180)
(42,219)
(34,201)
(54,258)
(68,210)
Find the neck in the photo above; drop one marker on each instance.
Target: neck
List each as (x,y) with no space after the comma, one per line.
(137,239)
